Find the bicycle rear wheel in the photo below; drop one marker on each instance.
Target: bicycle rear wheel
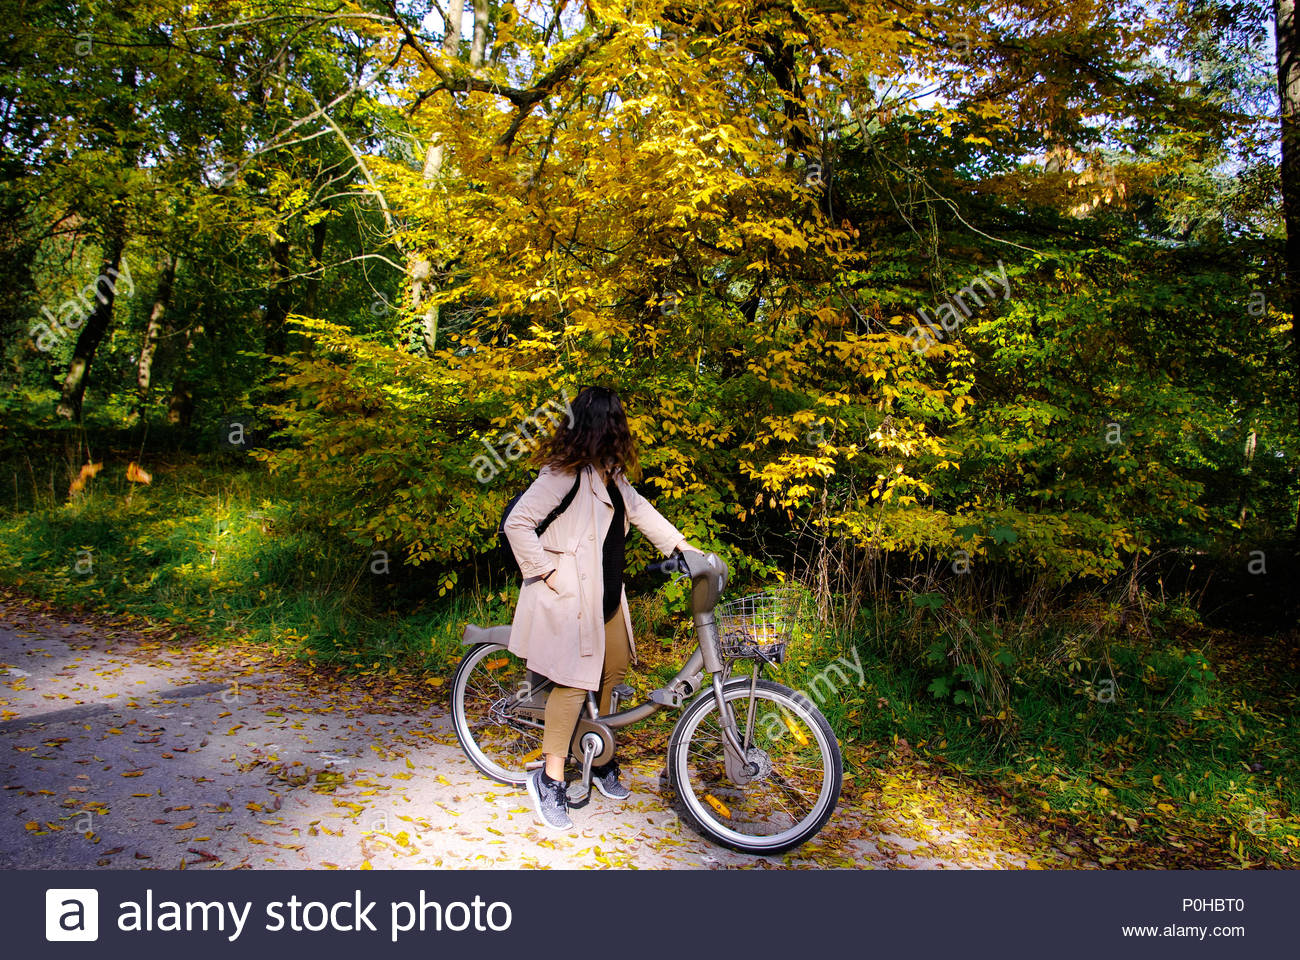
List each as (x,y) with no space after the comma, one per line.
(489,680)
(800,769)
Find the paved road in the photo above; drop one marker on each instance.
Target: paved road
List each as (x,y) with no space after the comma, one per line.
(118,750)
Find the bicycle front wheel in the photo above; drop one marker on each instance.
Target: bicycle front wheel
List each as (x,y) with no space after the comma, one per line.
(798,778)
(489,682)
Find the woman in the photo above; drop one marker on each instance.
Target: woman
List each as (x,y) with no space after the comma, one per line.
(572,623)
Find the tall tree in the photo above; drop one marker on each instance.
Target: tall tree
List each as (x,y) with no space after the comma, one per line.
(154,329)
(1288,91)
(743,212)
(118,137)
(97,323)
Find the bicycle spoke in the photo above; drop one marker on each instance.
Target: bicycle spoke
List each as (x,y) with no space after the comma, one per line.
(770,805)
(500,741)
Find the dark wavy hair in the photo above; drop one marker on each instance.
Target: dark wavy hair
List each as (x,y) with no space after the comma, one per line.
(597,433)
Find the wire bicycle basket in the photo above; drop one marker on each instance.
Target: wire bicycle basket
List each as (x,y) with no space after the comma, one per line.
(757,626)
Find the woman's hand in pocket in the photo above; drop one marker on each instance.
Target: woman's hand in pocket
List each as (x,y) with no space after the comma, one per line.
(550,578)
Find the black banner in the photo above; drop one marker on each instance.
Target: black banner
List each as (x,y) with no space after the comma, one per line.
(1022,913)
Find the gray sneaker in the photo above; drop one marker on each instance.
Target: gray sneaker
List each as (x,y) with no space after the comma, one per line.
(606,780)
(550,801)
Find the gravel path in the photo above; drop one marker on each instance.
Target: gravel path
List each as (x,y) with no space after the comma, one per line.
(127,747)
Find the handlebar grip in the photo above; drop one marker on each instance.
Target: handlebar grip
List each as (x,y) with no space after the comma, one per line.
(664,568)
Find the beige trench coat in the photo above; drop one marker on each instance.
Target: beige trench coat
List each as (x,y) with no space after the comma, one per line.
(561,632)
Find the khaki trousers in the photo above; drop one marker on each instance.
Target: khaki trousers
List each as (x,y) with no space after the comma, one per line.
(564,704)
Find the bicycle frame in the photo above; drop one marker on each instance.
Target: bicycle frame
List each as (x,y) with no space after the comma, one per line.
(708,575)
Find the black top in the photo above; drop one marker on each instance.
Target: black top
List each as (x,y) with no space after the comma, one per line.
(612,555)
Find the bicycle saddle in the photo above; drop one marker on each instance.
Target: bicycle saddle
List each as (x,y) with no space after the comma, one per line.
(477,634)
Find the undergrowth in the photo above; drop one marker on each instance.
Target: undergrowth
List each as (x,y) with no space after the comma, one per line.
(1169,745)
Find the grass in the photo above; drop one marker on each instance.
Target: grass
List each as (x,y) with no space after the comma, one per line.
(1188,758)
(1181,767)
(226,551)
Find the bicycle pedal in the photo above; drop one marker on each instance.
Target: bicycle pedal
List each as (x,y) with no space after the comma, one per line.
(619,695)
(577,795)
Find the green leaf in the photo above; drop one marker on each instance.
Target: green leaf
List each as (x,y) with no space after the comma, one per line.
(929,601)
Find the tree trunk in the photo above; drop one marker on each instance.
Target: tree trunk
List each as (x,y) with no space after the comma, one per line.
(161,302)
(113,242)
(277,300)
(451,47)
(318,230)
(1288,91)
(1243,498)
(421,275)
(421,268)
(479,45)
(97,323)
(180,408)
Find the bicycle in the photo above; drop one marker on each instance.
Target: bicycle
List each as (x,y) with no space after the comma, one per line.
(757,784)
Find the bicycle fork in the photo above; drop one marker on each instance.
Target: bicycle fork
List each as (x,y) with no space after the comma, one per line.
(740,769)
(735,751)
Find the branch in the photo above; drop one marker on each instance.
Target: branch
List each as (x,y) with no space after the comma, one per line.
(275,142)
(523,98)
(360,162)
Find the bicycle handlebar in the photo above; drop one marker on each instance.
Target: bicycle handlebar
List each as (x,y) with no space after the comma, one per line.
(676,563)
(708,574)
